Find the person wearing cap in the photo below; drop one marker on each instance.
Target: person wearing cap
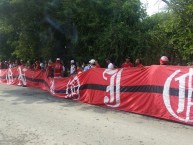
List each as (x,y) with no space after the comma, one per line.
(127,63)
(42,65)
(57,66)
(164,60)
(72,68)
(92,63)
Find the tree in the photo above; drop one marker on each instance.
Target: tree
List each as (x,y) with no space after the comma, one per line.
(181,25)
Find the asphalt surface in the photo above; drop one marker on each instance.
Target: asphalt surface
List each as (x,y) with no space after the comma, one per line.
(34,117)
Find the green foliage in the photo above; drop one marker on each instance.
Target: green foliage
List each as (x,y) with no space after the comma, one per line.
(85,29)
(180,27)
(70,28)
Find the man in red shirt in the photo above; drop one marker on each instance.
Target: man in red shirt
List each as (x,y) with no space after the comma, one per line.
(127,63)
(57,66)
(37,65)
(49,69)
(138,63)
(97,64)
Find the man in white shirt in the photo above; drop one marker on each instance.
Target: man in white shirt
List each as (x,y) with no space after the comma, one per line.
(110,64)
(72,67)
(92,63)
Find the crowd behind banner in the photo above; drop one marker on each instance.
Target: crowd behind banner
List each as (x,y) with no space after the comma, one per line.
(160,91)
(59,69)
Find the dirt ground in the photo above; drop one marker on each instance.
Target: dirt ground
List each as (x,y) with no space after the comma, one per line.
(34,117)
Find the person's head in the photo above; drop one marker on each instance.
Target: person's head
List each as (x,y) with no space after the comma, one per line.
(164,60)
(72,61)
(21,61)
(138,61)
(108,61)
(57,59)
(92,62)
(127,59)
(37,61)
(28,62)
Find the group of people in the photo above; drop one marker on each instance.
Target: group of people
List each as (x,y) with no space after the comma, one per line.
(126,64)
(11,64)
(58,69)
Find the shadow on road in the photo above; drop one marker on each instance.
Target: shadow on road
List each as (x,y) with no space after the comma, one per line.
(20,95)
(27,95)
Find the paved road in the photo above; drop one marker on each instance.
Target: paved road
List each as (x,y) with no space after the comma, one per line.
(33,117)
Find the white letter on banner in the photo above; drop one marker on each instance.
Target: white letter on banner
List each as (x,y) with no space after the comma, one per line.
(190,90)
(9,76)
(114,95)
(182,83)
(22,77)
(52,86)
(72,89)
(182,91)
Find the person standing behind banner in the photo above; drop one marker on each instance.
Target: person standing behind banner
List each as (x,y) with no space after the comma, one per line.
(37,65)
(6,65)
(86,67)
(127,63)
(138,63)
(42,65)
(110,64)
(10,64)
(49,69)
(79,70)
(72,68)
(97,64)
(92,63)
(63,68)
(57,66)
(28,65)
(164,60)
(1,64)
(22,64)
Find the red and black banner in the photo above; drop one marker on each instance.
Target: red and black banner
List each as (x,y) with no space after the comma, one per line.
(161,91)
